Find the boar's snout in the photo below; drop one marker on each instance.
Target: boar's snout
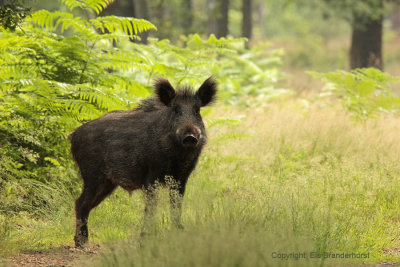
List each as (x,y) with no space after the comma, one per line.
(190,140)
(189,135)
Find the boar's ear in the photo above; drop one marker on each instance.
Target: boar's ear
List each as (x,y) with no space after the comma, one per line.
(207,91)
(164,91)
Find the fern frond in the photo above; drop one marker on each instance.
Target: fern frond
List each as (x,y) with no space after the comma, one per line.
(52,20)
(92,5)
(118,59)
(101,99)
(130,26)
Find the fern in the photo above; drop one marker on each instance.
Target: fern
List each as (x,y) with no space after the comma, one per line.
(364,93)
(86,28)
(50,83)
(243,73)
(125,25)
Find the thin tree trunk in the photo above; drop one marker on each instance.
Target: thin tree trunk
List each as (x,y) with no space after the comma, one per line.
(366,43)
(162,18)
(142,12)
(222,18)
(218,17)
(187,16)
(247,21)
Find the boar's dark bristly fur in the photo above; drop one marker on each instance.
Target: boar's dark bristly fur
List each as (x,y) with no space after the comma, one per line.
(162,137)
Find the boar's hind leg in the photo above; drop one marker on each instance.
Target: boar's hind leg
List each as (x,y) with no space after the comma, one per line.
(176,193)
(92,195)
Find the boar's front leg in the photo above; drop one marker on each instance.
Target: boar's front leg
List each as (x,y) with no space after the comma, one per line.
(150,200)
(149,209)
(176,193)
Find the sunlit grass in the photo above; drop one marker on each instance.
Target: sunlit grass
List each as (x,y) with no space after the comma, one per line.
(304,178)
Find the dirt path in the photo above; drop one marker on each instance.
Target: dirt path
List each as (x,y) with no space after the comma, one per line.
(61,257)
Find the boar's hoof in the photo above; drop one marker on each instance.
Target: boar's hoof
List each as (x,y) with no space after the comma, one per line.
(80,241)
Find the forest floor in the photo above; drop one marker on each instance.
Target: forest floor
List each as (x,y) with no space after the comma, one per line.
(292,177)
(72,257)
(60,257)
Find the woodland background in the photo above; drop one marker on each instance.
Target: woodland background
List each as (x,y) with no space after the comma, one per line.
(304,140)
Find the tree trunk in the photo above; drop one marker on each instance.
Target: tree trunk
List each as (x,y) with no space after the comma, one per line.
(222,18)
(366,43)
(187,21)
(142,12)
(247,21)
(218,17)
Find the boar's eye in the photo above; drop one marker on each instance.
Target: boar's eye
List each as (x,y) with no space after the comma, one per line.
(178,110)
(196,110)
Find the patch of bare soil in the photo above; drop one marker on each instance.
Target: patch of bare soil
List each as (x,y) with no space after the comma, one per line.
(60,257)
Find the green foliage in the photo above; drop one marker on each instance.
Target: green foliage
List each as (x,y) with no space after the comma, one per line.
(49,83)
(296,181)
(363,92)
(59,70)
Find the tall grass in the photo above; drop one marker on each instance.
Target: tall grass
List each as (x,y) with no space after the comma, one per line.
(291,178)
(309,180)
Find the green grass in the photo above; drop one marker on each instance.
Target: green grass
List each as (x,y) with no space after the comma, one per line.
(292,179)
